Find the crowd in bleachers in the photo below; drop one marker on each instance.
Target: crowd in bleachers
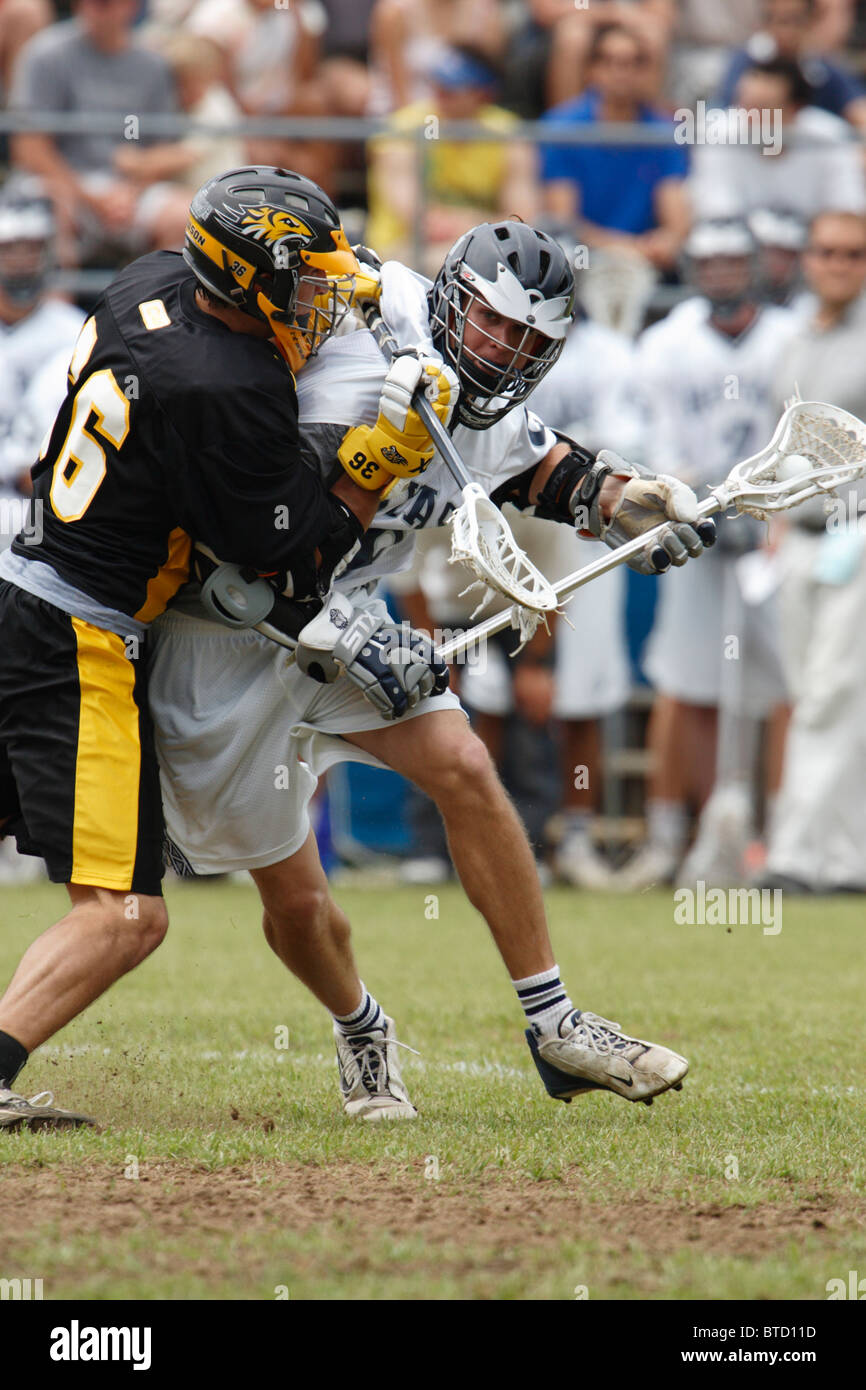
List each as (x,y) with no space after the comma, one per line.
(720,260)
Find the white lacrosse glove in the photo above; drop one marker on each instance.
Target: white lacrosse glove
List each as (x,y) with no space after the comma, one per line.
(393,666)
(647,500)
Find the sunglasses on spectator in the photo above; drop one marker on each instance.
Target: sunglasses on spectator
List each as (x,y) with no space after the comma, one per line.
(620,61)
(845,253)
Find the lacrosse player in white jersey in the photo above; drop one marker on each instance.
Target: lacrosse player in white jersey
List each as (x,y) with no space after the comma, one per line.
(705,377)
(244,728)
(33,326)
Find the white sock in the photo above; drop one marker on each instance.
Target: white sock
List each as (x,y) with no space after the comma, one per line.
(667,826)
(367,1016)
(545,1000)
(577,825)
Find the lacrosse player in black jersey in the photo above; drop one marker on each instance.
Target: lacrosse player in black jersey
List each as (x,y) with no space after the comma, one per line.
(179,428)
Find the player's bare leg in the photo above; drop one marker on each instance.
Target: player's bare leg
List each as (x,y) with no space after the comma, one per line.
(307,930)
(574,1051)
(103,936)
(311,935)
(442,756)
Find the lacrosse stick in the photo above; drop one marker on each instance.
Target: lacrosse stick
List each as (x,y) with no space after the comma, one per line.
(480,536)
(816,448)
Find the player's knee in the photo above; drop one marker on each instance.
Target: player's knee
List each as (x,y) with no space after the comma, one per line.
(461,773)
(133,925)
(144,924)
(301,910)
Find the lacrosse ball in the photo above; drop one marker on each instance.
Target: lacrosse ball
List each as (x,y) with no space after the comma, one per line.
(792,466)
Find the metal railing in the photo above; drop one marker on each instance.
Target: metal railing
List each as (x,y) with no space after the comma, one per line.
(132,127)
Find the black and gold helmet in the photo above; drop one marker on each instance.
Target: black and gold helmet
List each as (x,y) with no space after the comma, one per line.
(255,236)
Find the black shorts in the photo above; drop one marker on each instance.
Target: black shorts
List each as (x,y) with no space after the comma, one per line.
(79,780)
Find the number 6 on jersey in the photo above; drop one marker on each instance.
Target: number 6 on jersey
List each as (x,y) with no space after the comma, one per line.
(72,491)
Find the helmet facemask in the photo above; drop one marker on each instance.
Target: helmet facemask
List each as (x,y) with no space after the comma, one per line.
(26,253)
(320,305)
(489,390)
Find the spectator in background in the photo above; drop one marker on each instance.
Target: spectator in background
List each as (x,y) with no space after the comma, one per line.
(465,182)
(93,63)
(817,837)
(408,37)
(650,21)
(345,77)
(197,68)
(346,55)
(271,56)
(19,21)
(736,179)
(629,197)
(703,39)
(790,32)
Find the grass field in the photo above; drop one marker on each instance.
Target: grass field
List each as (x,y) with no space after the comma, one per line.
(250,1183)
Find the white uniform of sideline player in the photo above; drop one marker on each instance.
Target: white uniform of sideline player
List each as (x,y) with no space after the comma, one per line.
(32,328)
(243,734)
(704,377)
(584,395)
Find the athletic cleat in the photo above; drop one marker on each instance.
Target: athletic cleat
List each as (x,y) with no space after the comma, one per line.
(40,1112)
(370,1079)
(579,863)
(592,1054)
(649,867)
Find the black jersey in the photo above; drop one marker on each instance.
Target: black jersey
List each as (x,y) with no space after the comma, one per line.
(173,427)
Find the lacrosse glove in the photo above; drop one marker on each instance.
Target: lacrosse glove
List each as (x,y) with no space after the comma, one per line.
(393,666)
(647,500)
(398,445)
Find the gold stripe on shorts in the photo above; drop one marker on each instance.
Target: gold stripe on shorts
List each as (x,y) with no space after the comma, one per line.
(108,762)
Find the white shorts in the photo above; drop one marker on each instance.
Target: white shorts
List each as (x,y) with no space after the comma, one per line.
(708,646)
(242,738)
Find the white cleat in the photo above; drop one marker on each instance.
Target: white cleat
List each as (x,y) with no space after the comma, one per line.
(579,862)
(591,1054)
(17,1112)
(648,868)
(370,1079)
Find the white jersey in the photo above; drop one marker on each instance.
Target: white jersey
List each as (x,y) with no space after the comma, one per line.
(585,392)
(707,399)
(709,403)
(341,386)
(24,347)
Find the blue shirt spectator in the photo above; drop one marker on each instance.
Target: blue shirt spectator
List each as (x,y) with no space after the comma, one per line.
(624,196)
(617,183)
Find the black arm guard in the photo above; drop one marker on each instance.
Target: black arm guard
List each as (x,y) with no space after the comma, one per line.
(552,504)
(574,482)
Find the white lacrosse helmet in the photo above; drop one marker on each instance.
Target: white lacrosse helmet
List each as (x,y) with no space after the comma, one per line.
(521,274)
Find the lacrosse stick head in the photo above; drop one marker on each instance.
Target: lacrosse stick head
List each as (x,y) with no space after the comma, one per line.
(482,540)
(816,449)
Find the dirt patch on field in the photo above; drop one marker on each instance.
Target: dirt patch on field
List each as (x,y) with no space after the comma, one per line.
(173,1199)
